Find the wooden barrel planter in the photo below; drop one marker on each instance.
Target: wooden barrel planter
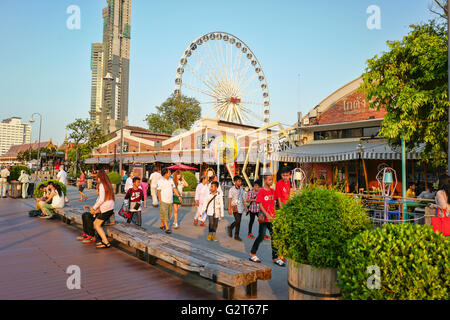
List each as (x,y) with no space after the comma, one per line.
(309,283)
(188,198)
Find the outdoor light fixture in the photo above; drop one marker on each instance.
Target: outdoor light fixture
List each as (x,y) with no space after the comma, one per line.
(388,178)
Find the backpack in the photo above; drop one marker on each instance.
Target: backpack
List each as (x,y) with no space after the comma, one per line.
(34,213)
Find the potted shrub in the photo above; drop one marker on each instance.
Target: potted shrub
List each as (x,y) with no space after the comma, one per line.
(396,262)
(115,179)
(189,191)
(311,231)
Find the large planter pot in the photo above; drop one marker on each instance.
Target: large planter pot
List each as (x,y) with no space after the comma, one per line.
(188,198)
(15,189)
(309,283)
(89,183)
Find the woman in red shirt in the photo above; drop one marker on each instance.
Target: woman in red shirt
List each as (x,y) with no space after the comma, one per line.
(266,200)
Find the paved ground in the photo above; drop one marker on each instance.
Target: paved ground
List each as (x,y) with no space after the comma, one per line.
(35,254)
(274,289)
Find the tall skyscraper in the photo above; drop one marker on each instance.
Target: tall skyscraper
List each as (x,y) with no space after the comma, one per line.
(13,132)
(97,82)
(116,63)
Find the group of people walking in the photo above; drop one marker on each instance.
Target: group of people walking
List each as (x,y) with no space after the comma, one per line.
(260,203)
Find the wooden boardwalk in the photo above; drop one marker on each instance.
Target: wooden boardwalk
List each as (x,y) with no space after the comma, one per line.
(35,254)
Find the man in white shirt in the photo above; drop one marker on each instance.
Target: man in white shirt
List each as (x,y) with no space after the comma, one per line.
(154,178)
(62,177)
(166,188)
(4,174)
(129,182)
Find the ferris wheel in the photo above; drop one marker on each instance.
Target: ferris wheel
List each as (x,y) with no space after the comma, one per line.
(224,75)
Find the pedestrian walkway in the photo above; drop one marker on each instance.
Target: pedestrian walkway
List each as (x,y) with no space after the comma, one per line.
(35,254)
(275,289)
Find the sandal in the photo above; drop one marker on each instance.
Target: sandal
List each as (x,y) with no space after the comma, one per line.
(104,245)
(255,259)
(279,262)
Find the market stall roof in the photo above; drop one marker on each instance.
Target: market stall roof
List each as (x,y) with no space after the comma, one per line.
(332,151)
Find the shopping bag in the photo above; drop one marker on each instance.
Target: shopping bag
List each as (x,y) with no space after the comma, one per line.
(441,224)
(124,212)
(203,217)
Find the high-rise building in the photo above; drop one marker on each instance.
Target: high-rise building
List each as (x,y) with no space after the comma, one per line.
(97,82)
(13,132)
(116,63)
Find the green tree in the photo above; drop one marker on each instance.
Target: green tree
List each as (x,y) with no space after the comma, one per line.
(85,135)
(410,82)
(175,113)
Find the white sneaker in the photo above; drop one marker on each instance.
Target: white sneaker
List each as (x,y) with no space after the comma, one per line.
(175,226)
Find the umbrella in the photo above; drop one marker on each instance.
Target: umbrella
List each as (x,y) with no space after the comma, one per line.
(182,167)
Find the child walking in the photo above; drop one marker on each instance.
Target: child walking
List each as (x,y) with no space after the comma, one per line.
(253,209)
(133,199)
(266,201)
(236,206)
(213,206)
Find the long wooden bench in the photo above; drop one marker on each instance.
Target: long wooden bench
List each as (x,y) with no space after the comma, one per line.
(221,268)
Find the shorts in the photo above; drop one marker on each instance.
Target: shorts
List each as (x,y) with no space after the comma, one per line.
(81,187)
(105,215)
(165,211)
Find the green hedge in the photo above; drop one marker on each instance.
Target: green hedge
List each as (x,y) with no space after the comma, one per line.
(414,263)
(15,172)
(191,180)
(38,194)
(115,178)
(313,227)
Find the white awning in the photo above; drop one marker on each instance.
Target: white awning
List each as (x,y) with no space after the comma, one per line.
(343,151)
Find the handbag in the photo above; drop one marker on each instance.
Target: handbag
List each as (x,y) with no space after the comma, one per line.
(441,224)
(124,212)
(261,217)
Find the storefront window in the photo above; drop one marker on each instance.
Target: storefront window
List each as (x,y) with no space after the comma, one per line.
(346,133)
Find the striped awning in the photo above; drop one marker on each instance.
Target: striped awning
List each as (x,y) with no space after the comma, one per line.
(343,151)
(314,153)
(382,151)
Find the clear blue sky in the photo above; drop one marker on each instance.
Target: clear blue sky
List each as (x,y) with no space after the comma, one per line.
(46,67)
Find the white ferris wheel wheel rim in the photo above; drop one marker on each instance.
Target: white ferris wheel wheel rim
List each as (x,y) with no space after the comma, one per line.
(222,90)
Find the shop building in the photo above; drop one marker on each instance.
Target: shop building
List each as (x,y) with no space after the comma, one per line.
(194,147)
(339,144)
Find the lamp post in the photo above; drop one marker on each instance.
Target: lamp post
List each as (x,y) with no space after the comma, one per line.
(40,128)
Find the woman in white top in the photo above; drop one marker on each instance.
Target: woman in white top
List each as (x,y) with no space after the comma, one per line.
(99,213)
(55,200)
(201,193)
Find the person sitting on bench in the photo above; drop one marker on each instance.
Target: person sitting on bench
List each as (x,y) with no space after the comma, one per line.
(54,201)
